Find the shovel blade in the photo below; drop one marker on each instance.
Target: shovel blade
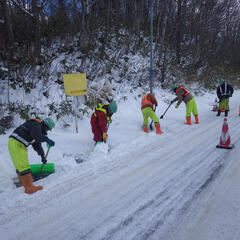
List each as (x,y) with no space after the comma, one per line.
(37,169)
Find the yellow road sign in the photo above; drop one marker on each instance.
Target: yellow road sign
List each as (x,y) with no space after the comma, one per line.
(75,84)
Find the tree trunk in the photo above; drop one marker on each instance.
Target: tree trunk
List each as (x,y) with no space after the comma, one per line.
(136,18)
(9,40)
(37,34)
(179,31)
(84,37)
(164,26)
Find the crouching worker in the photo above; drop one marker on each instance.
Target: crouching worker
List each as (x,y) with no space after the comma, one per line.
(147,105)
(32,132)
(100,119)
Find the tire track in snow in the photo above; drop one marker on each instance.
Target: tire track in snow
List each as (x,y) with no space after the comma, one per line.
(154,203)
(209,178)
(126,221)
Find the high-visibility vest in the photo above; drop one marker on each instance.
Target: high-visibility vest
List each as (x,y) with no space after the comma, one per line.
(184,89)
(223,91)
(99,107)
(146,101)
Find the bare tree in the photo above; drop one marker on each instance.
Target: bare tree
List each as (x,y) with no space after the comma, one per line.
(8,28)
(202,30)
(84,37)
(37,34)
(179,29)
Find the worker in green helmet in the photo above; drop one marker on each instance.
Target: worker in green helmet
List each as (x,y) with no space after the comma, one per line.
(100,119)
(183,95)
(32,132)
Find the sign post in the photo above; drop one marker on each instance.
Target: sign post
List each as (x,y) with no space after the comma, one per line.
(75,85)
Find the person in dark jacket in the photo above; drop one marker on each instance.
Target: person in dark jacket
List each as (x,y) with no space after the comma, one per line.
(183,95)
(224,92)
(32,132)
(100,120)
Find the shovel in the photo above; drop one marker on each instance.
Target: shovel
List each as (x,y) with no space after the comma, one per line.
(150,126)
(40,173)
(106,131)
(166,110)
(45,158)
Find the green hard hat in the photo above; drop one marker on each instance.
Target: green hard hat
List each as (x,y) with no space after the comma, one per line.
(221,81)
(49,122)
(112,107)
(173,87)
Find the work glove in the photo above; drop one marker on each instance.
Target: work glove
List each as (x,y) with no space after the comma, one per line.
(104,136)
(50,142)
(177,106)
(44,160)
(48,146)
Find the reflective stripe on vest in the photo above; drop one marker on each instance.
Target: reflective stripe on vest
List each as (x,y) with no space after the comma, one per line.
(184,89)
(146,101)
(225,89)
(20,139)
(99,107)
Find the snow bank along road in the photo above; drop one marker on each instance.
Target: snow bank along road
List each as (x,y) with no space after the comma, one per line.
(140,190)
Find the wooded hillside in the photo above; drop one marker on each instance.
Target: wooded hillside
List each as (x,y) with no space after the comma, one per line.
(195,35)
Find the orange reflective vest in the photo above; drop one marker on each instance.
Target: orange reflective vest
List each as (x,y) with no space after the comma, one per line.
(186,92)
(146,101)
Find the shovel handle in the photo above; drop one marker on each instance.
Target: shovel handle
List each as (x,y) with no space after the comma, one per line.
(166,110)
(47,153)
(41,169)
(151,127)
(46,158)
(106,131)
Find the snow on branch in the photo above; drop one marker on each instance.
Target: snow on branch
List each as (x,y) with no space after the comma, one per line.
(43,4)
(89,5)
(3,69)
(22,9)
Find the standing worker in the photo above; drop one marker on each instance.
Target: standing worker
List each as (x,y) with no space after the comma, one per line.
(147,105)
(32,132)
(100,120)
(224,92)
(184,95)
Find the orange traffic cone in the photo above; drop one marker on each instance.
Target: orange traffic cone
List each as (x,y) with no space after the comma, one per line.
(215,105)
(215,108)
(225,140)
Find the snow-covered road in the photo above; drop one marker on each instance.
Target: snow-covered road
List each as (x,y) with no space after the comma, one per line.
(170,186)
